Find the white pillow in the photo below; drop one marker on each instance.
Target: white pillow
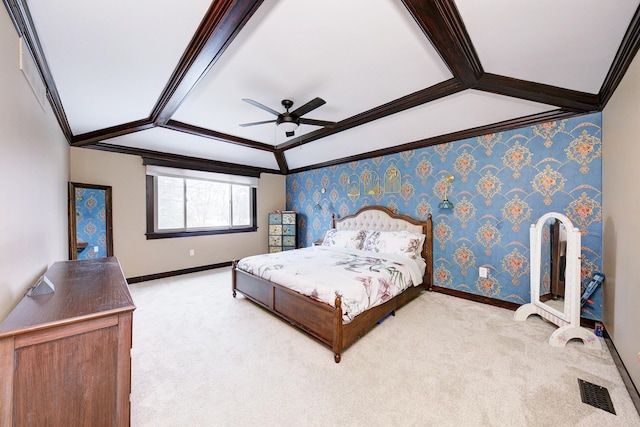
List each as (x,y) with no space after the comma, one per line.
(344,238)
(403,243)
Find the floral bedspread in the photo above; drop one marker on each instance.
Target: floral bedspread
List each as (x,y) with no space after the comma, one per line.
(363,279)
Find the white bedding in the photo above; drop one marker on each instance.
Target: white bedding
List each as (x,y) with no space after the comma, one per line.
(364,279)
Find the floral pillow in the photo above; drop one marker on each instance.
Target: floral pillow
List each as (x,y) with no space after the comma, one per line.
(344,238)
(403,243)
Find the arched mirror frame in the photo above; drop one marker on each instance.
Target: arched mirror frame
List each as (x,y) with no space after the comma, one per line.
(73,241)
(568,321)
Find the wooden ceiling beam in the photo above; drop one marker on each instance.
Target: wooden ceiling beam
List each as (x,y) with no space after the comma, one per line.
(432,93)
(90,138)
(219,136)
(282,162)
(221,24)
(624,56)
(563,98)
(184,162)
(441,23)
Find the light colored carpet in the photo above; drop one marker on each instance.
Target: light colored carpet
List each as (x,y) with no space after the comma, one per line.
(202,358)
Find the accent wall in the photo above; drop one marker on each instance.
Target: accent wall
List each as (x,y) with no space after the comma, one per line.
(502,183)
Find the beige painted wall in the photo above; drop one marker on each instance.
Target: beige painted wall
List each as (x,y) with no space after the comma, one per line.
(139,256)
(621,224)
(34,166)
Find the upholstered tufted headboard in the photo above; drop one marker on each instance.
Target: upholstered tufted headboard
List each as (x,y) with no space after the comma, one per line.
(383,219)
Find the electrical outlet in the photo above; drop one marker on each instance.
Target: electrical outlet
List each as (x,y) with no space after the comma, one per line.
(483,272)
(192,252)
(96,248)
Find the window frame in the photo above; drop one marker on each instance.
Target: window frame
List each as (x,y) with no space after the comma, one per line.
(152,233)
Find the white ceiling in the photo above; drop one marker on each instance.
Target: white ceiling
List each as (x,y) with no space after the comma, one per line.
(110,62)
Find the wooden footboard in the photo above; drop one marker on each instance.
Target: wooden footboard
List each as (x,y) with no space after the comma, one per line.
(316,318)
(320,320)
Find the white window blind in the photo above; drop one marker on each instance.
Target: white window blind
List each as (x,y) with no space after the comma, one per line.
(208,176)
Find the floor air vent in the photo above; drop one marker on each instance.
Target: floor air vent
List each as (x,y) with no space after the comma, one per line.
(595,395)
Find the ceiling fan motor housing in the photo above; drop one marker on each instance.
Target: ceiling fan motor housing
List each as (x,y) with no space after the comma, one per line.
(287,118)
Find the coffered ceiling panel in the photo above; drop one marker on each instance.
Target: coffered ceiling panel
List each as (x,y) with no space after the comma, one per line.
(111,60)
(569,44)
(166,80)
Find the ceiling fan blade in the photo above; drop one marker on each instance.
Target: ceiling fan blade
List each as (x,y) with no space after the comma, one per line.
(256,123)
(309,106)
(263,107)
(316,122)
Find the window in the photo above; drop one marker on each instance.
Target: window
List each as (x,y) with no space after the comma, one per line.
(182,203)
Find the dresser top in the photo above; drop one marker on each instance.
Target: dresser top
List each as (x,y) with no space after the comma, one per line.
(84,289)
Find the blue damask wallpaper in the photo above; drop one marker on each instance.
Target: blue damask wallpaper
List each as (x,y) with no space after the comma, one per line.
(502,183)
(91,222)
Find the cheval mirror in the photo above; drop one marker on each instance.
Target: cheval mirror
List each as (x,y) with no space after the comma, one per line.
(555,279)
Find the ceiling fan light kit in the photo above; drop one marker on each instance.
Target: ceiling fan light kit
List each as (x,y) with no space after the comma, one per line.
(288,126)
(286,121)
(290,121)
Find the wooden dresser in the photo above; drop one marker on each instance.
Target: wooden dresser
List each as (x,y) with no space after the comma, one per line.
(65,357)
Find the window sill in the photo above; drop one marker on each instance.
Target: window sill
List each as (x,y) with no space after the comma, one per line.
(154,235)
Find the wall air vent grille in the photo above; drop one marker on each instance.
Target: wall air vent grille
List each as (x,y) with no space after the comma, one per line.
(31,73)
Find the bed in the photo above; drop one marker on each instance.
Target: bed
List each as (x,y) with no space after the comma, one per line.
(328,303)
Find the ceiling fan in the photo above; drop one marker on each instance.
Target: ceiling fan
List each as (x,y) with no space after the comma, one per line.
(289,121)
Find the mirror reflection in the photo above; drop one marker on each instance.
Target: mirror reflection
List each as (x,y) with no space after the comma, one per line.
(553,252)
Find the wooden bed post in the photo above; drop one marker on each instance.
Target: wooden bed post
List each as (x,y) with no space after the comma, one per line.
(429,244)
(337,330)
(233,277)
(333,220)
